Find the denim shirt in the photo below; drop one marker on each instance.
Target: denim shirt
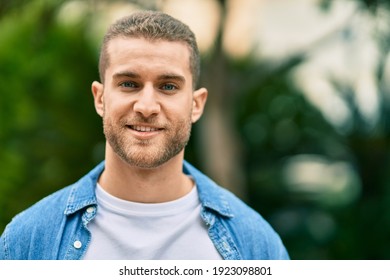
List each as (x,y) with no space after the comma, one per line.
(57,226)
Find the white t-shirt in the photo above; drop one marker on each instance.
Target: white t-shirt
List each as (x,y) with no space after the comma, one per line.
(127,230)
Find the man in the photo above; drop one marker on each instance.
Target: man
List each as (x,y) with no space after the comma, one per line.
(144,201)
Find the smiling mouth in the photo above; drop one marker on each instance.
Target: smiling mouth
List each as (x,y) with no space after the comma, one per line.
(141,128)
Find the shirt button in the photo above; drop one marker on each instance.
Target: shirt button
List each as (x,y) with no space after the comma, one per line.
(90,209)
(77,244)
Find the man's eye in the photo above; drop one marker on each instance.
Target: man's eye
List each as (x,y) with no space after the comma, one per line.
(128,84)
(169,87)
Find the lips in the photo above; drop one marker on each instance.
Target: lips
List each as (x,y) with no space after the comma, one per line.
(143,128)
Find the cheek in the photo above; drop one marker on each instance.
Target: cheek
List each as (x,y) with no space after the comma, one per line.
(186,104)
(179,111)
(116,107)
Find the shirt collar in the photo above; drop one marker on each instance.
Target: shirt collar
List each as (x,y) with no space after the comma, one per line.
(82,193)
(210,195)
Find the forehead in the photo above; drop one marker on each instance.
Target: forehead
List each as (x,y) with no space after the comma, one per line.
(147,54)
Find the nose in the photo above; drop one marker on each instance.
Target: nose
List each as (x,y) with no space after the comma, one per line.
(146,103)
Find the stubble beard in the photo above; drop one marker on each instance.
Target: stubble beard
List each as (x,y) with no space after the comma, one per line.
(147,153)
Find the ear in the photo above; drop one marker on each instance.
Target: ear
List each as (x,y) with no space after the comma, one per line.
(97,91)
(198,103)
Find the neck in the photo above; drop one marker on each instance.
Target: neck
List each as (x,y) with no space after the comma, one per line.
(145,185)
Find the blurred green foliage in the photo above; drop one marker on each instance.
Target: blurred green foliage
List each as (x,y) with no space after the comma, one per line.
(50,135)
(278,124)
(49,132)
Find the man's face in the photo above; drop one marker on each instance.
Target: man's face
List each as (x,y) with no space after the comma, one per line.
(147,102)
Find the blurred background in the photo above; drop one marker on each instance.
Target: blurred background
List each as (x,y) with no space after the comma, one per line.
(297,121)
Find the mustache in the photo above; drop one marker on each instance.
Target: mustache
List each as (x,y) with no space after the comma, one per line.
(139,119)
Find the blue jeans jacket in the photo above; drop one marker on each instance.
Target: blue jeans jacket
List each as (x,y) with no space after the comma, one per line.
(57,226)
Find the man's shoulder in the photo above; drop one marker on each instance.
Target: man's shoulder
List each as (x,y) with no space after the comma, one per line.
(42,214)
(240,211)
(34,223)
(44,221)
(52,204)
(254,236)
(59,201)
(62,201)
(220,199)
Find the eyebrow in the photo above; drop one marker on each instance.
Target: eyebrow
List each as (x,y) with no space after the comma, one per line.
(166,76)
(128,74)
(169,76)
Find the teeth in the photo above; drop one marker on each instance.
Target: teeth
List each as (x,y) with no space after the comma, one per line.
(144,128)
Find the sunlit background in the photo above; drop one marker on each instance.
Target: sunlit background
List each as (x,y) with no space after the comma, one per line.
(297,121)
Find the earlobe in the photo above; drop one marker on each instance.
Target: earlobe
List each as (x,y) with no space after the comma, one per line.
(97,91)
(199,101)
